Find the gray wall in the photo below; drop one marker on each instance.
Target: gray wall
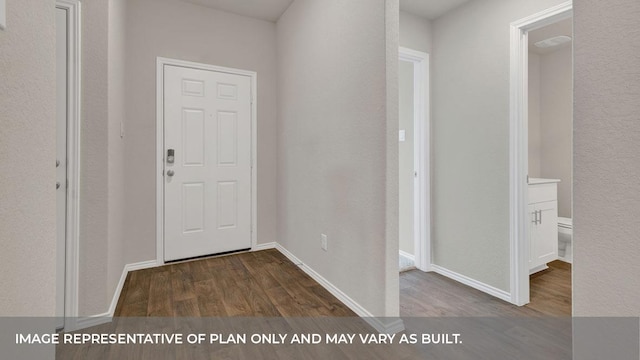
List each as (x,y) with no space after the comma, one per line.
(470,121)
(556,123)
(93,297)
(535,142)
(184,31)
(606,279)
(332,157)
(117,41)
(551,121)
(415,32)
(27,153)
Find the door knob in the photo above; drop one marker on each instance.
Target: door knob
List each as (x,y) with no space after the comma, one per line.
(170,173)
(57,185)
(57,163)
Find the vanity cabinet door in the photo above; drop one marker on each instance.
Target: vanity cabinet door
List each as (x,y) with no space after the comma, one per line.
(543,235)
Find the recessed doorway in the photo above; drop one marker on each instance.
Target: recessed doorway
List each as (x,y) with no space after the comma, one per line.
(414,174)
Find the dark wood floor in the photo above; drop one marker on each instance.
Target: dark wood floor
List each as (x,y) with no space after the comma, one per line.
(218,293)
(266,283)
(431,294)
(551,290)
(262,283)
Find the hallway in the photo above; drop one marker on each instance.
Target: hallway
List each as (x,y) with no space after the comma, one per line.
(433,295)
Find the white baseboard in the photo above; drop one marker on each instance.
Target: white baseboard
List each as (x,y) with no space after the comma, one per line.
(265,246)
(392,327)
(538,269)
(407,261)
(500,294)
(99,319)
(384,325)
(87,322)
(408,256)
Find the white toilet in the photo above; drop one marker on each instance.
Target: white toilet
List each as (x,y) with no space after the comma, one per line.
(565,239)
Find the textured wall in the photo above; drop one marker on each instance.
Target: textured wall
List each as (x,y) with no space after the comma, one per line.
(117,201)
(606,166)
(332,137)
(392,42)
(27,154)
(94,168)
(470,121)
(184,31)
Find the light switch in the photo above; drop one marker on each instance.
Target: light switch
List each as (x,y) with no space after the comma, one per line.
(402,136)
(3,14)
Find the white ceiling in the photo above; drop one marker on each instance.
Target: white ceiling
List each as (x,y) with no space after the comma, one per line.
(430,9)
(564,27)
(269,10)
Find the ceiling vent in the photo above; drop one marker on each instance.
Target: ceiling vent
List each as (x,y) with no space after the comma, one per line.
(552,42)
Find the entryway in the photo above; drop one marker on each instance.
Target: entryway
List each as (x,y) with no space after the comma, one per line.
(414,174)
(541,158)
(206,124)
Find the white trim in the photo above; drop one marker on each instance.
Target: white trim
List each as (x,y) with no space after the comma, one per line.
(538,269)
(94,320)
(160,63)
(500,294)
(265,246)
(90,321)
(382,325)
(518,145)
(72,241)
(422,163)
(408,256)
(394,325)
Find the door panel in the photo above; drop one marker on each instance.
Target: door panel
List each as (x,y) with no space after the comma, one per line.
(207,188)
(193,137)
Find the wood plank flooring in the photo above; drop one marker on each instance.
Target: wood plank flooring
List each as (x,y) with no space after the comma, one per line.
(262,283)
(431,294)
(551,290)
(266,283)
(210,295)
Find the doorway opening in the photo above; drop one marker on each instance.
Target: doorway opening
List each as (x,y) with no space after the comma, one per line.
(67,161)
(541,155)
(414,172)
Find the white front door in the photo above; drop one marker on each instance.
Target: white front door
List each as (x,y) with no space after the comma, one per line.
(61,160)
(207,162)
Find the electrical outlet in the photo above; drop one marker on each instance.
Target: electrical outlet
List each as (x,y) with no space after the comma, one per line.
(323,242)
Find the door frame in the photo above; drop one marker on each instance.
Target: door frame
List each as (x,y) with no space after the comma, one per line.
(161,62)
(72,238)
(421,157)
(518,145)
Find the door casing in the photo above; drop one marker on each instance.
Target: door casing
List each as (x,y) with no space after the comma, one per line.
(72,239)
(518,146)
(160,64)
(421,157)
